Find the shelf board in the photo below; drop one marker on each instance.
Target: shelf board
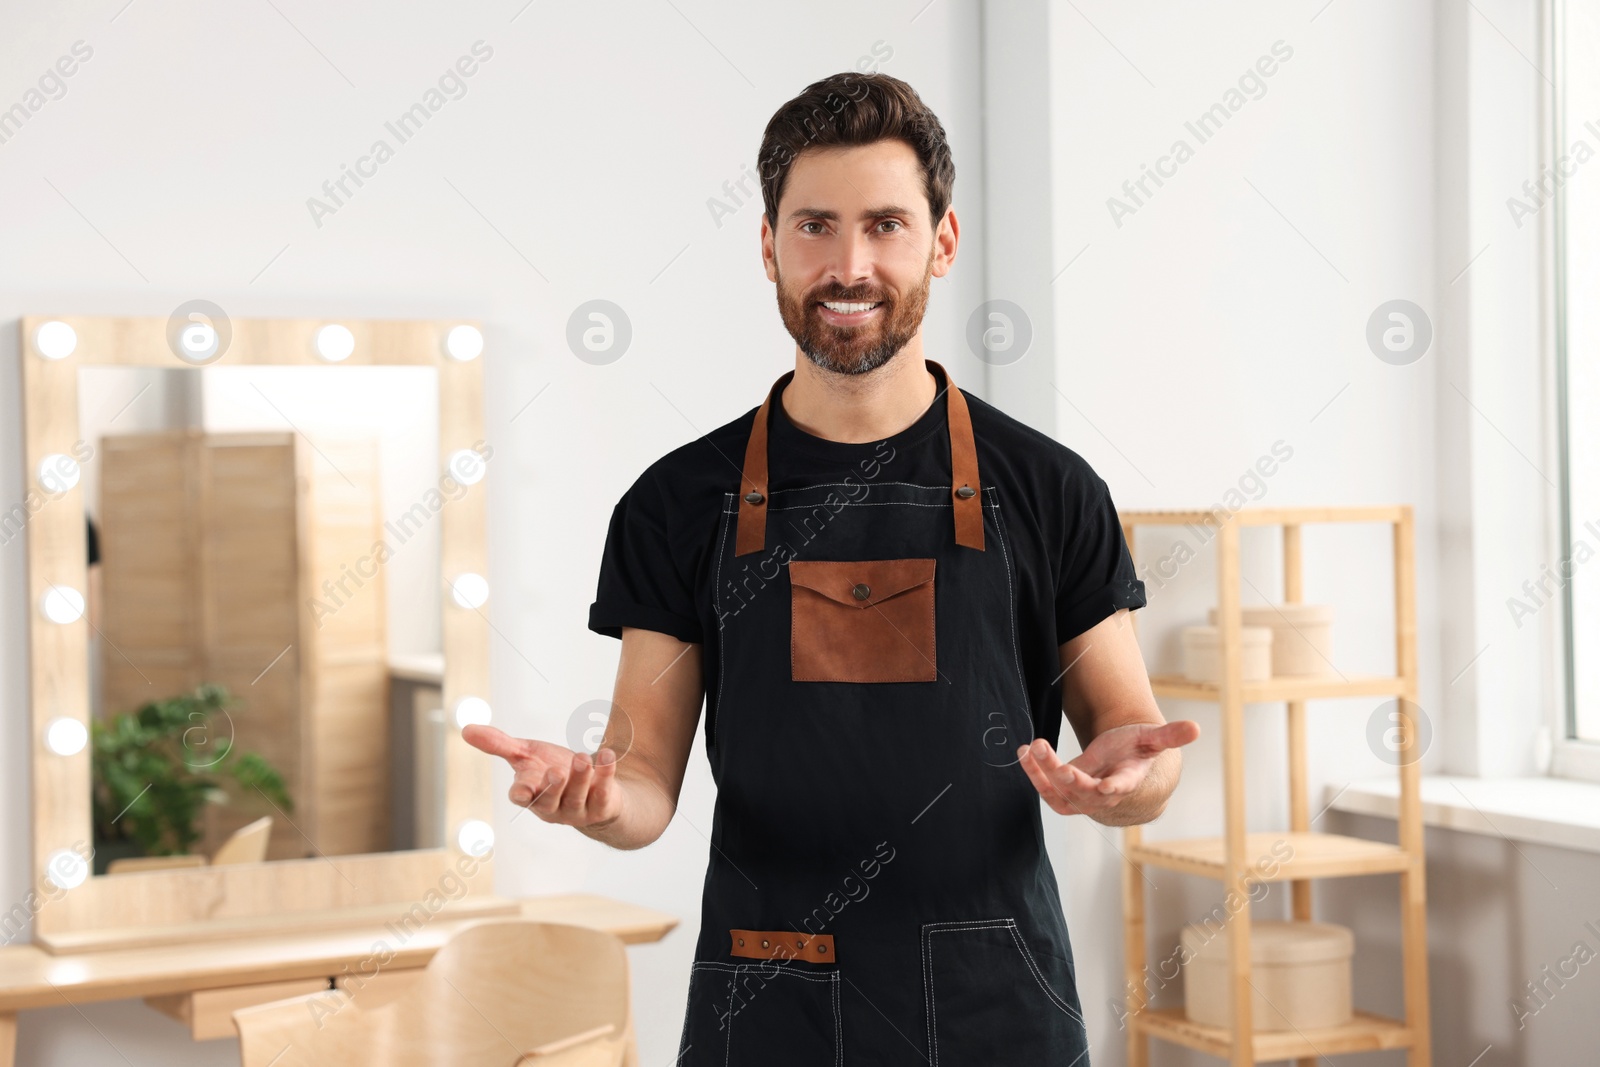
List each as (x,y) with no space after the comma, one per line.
(1364,1033)
(1265,516)
(1277,857)
(1284,687)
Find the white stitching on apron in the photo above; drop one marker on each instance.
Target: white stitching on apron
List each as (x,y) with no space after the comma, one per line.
(853,504)
(930,1000)
(1038,976)
(782,968)
(716,607)
(683,1035)
(831,979)
(870,504)
(838,1029)
(830,485)
(694,966)
(1016,656)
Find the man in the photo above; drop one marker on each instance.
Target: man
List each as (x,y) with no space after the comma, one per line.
(886,593)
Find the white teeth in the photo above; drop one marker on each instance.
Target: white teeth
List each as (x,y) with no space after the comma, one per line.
(846,309)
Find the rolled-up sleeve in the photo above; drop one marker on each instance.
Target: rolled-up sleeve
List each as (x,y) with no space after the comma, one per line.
(641,583)
(1096,577)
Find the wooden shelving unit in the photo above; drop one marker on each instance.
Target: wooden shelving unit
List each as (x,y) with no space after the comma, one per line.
(1233,859)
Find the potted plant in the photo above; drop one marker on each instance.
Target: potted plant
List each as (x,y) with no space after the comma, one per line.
(156,768)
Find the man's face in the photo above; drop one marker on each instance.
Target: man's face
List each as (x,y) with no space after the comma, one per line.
(853,232)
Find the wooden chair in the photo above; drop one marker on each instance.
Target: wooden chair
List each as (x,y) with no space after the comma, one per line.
(499,993)
(247,844)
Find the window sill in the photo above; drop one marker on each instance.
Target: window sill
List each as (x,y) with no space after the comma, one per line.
(1562,812)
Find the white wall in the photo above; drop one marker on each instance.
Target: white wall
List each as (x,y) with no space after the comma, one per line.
(1224,315)
(1228,312)
(579,165)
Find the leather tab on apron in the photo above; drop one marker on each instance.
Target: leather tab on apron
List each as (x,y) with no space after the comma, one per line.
(782,945)
(966,491)
(751,525)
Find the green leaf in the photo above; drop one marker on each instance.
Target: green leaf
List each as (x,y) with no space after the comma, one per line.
(156,768)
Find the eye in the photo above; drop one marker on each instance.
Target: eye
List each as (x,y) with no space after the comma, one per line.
(891,222)
(813,222)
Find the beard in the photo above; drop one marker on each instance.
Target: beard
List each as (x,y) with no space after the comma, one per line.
(854,349)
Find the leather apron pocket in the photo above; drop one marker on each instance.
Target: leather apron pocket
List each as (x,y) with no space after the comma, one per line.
(865,620)
(990,1000)
(771,1014)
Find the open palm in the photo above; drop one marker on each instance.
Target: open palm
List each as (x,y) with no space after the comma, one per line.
(1114,765)
(556,783)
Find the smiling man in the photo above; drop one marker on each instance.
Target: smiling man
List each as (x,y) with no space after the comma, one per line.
(886,593)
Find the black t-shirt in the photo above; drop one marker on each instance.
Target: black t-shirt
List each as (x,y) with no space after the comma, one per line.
(1073,562)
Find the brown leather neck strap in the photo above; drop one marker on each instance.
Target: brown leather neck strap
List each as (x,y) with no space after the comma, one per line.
(751,535)
(966,491)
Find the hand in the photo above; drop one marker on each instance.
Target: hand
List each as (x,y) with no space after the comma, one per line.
(1112,768)
(557,784)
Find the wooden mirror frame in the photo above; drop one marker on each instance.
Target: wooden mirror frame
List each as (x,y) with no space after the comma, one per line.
(278,896)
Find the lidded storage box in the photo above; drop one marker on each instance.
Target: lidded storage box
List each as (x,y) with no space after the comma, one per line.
(1300,972)
(1300,635)
(1202,661)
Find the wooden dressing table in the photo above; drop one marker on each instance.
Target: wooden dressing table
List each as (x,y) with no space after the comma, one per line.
(203,982)
(278,589)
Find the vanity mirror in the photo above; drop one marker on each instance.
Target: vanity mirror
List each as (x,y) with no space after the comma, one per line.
(256,570)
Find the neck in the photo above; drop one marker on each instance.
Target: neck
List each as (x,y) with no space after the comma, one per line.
(859,408)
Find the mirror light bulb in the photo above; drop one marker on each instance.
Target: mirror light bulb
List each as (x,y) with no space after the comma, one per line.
(472,711)
(335,342)
(469,590)
(66,869)
(466,466)
(62,604)
(463,343)
(66,737)
(55,340)
(475,837)
(58,472)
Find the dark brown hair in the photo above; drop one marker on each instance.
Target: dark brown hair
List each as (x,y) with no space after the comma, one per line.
(856,109)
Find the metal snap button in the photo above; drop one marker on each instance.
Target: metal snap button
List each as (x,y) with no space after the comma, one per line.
(822,947)
(861,591)
(753,497)
(741,942)
(966,491)
(765,943)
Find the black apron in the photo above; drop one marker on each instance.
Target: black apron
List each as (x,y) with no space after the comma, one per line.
(878,890)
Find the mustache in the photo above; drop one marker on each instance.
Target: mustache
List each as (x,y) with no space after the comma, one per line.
(853,298)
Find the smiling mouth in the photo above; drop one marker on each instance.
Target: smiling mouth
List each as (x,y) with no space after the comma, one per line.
(848,312)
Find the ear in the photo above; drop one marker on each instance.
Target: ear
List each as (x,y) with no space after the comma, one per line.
(769,249)
(946,236)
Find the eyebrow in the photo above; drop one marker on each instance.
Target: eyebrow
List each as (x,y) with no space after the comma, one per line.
(829,215)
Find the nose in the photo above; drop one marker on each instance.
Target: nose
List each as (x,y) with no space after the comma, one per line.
(853,259)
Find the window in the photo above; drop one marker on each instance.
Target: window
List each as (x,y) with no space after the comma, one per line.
(1572,183)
